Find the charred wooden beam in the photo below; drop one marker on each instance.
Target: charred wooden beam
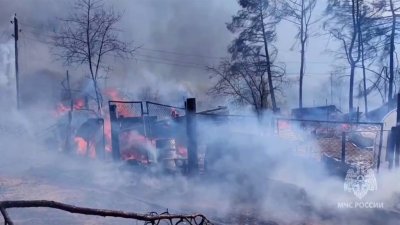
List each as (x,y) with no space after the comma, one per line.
(191,135)
(115,129)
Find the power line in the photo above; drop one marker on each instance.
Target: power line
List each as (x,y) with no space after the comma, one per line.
(167,52)
(170,60)
(33,38)
(170,63)
(320,74)
(216,57)
(180,53)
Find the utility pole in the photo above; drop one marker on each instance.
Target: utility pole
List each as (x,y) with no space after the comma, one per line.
(15,35)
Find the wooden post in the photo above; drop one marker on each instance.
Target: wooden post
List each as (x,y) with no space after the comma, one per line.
(114,133)
(343,147)
(191,135)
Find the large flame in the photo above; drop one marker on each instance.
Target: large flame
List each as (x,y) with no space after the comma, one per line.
(133,145)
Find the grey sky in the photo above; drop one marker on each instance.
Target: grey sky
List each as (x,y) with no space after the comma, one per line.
(179,38)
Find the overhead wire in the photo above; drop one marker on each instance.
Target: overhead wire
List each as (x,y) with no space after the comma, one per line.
(162,53)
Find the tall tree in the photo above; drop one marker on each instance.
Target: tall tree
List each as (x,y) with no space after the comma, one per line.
(378,37)
(299,13)
(392,47)
(389,33)
(367,46)
(343,24)
(255,25)
(87,37)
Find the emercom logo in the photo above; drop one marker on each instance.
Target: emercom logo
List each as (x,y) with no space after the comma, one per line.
(360,181)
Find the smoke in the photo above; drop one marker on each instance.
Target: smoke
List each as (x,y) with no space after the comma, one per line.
(254,174)
(172,50)
(251,173)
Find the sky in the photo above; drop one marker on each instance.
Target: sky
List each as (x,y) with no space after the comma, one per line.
(178,40)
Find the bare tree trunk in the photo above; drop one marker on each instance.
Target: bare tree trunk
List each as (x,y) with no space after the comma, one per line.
(69,126)
(89,45)
(385,85)
(302,59)
(352,70)
(391,51)
(98,98)
(361,44)
(364,78)
(270,84)
(353,61)
(268,60)
(263,99)
(301,76)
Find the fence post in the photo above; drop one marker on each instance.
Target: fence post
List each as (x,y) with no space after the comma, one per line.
(114,133)
(343,147)
(380,148)
(191,135)
(100,143)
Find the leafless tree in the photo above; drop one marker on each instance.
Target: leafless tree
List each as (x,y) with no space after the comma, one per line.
(343,25)
(87,37)
(389,34)
(246,82)
(255,29)
(299,13)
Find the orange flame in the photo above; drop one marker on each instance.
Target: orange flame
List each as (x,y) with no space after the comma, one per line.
(61,109)
(133,145)
(82,147)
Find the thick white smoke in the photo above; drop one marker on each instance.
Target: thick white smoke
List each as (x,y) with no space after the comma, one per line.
(253,173)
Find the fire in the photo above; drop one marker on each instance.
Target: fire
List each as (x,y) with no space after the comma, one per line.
(62,109)
(84,148)
(115,96)
(134,146)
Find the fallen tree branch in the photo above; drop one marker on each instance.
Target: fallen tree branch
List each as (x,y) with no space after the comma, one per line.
(151,218)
